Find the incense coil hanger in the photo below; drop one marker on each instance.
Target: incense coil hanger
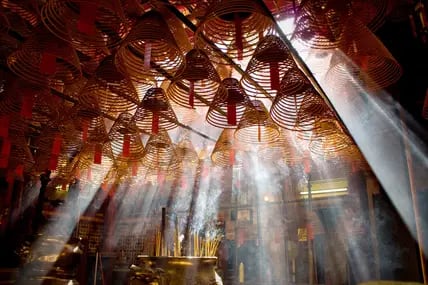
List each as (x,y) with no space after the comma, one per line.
(256,126)
(196,82)
(160,153)
(155,112)
(125,139)
(109,90)
(45,60)
(233,26)
(149,53)
(86,24)
(270,62)
(228,105)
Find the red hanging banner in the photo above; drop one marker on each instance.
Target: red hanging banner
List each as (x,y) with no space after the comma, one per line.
(231,114)
(53,162)
(4,126)
(27,106)
(155,122)
(48,64)
(98,154)
(88,14)
(126,145)
(191,94)
(56,146)
(274,75)
(238,36)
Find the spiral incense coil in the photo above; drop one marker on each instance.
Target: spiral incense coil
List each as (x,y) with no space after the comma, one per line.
(283,149)
(113,91)
(320,24)
(371,13)
(328,138)
(45,60)
(233,26)
(125,139)
(185,115)
(228,105)
(365,58)
(20,153)
(285,110)
(186,151)
(196,82)
(149,51)
(160,152)
(93,129)
(256,126)
(155,112)
(86,24)
(227,152)
(25,9)
(267,67)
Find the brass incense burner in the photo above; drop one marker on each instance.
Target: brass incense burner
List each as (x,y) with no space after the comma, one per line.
(166,270)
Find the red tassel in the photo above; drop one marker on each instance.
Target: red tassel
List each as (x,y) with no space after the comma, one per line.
(19,170)
(231,114)
(4,126)
(85,127)
(5,148)
(364,63)
(27,107)
(86,22)
(155,122)
(126,145)
(147,55)
(238,36)
(48,64)
(192,94)
(56,146)
(232,157)
(161,177)
(310,231)
(274,75)
(98,154)
(134,169)
(53,162)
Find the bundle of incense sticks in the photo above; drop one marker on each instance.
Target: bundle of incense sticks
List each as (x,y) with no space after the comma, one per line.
(199,246)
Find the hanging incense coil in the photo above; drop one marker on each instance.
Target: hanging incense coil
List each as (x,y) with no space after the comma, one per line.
(328,138)
(155,112)
(196,82)
(93,129)
(186,151)
(256,126)
(371,13)
(125,139)
(109,90)
(160,152)
(234,27)
(296,94)
(45,60)
(227,151)
(86,23)
(228,105)
(267,67)
(365,59)
(283,149)
(320,24)
(149,52)
(185,115)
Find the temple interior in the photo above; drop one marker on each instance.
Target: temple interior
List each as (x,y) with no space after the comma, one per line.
(211,142)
